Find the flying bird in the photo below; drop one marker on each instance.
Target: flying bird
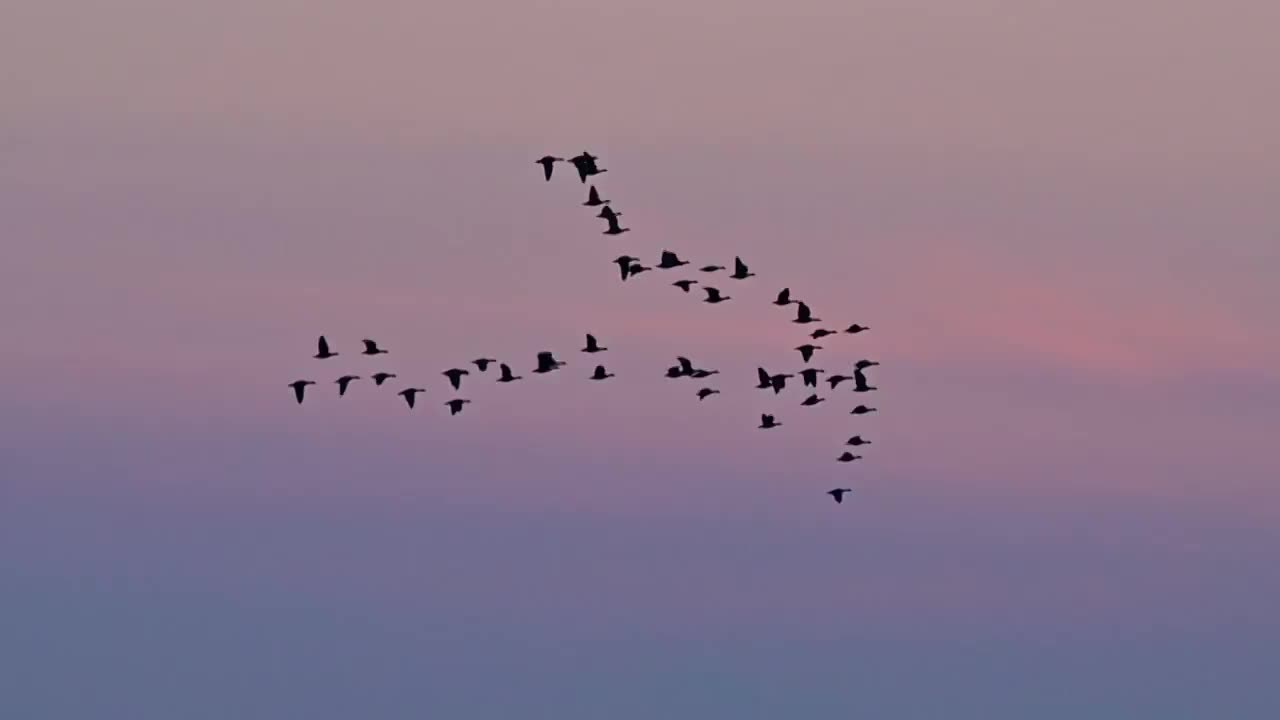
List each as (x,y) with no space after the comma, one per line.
(323,350)
(371,348)
(767,421)
(593,198)
(409,394)
(864,364)
(857,440)
(547,362)
(821,333)
(810,376)
(592,345)
(685,284)
(766,381)
(637,268)
(862,410)
(778,382)
(812,400)
(483,363)
(607,213)
(506,375)
(614,228)
(675,372)
(848,457)
(711,268)
(803,315)
(784,297)
(705,393)
(624,264)
(855,328)
(343,382)
(455,405)
(586,165)
(838,493)
(300,387)
(860,382)
(806,351)
(837,379)
(740,270)
(714,296)
(548,164)
(670,260)
(700,373)
(601,373)
(455,377)
(379,378)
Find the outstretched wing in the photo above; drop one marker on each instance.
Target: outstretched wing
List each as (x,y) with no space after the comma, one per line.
(324,346)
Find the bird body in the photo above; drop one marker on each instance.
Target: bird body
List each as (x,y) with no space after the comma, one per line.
(713,295)
(483,363)
(767,422)
(379,378)
(548,164)
(637,268)
(300,387)
(601,373)
(837,379)
(409,394)
(711,268)
(624,263)
(614,228)
(848,457)
(593,198)
(506,375)
(766,380)
(778,382)
(670,260)
(821,333)
(855,328)
(685,284)
(607,213)
(806,351)
(371,348)
(322,347)
(804,315)
(592,345)
(343,382)
(586,165)
(860,382)
(862,410)
(740,271)
(810,376)
(455,377)
(455,405)
(812,400)
(547,362)
(857,440)
(839,493)
(784,297)
(700,373)
(705,393)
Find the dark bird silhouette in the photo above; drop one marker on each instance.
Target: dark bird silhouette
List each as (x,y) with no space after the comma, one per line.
(855,328)
(685,284)
(323,350)
(860,382)
(767,421)
(700,373)
(670,260)
(675,372)
(848,457)
(624,264)
(343,382)
(371,348)
(455,405)
(705,393)
(714,296)
(379,378)
(821,333)
(778,382)
(837,379)
(864,364)
(740,271)
(592,345)
(586,165)
(409,394)
(547,362)
(455,377)
(838,493)
(810,376)
(863,410)
(548,163)
(857,440)
(812,400)
(593,198)
(483,363)
(614,228)
(784,297)
(607,213)
(806,351)
(766,381)
(300,388)
(637,268)
(803,315)
(601,373)
(686,365)
(711,268)
(506,375)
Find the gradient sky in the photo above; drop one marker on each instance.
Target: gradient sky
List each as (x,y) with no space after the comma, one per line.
(1059,219)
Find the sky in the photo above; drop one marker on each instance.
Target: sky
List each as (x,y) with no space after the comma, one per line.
(1057,218)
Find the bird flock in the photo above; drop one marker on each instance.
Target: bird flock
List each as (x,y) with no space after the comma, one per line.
(630,267)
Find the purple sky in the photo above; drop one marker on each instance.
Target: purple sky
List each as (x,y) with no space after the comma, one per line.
(1058,219)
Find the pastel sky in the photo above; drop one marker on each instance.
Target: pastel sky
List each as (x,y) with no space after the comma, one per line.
(1058,218)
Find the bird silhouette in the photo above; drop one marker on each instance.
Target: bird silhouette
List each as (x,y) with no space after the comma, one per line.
(855,328)
(300,388)
(778,382)
(784,297)
(371,348)
(837,379)
(614,228)
(766,380)
(713,295)
(592,345)
(607,213)
(601,373)
(637,268)
(323,352)
(700,373)
(593,198)
(548,164)
(586,165)
(455,405)
(686,365)
(711,268)
(838,493)
(685,284)
(483,363)
(860,382)
(864,364)
(767,421)
(670,260)
(455,377)
(810,376)
(848,457)
(705,393)
(803,315)
(379,378)
(624,263)
(812,400)
(506,375)
(863,410)
(857,440)
(343,382)
(547,362)
(409,394)
(675,372)
(806,351)
(821,333)
(740,271)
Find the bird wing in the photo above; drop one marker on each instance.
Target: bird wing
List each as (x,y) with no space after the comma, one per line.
(298,390)
(802,312)
(764,376)
(591,341)
(593,196)
(739,267)
(324,346)
(686,365)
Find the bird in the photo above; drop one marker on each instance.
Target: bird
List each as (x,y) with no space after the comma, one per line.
(740,270)
(547,362)
(455,405)
(860,382)
(864,364)
(593,198)
(705,393)
(784,297)
(371,348)
(766,381)
(592,345)
(670,260)
(855,328)
(700,373)
(767,421)
(863,410)
(685,284)
(300,387)
(714,296)
(409,394)
(343,382)
(848,457)
(614,228)
(838,493)
(483,363)
(548,164)
(821,333)
(624,264)
(837,379)
(601,373)
(586,165)
(857,440)
(379,378)
(812,400)
(686,365)
(455,377)
(607,213)
(803,315)
(711,268)
(778,382)
(806,351)
(506,375)
(810,376)
(323,353)
(675,372)
(637,268)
